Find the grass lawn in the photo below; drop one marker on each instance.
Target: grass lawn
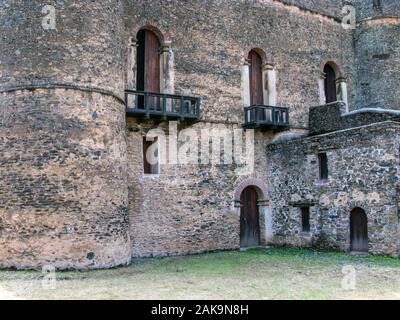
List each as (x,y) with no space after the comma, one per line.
(265,273)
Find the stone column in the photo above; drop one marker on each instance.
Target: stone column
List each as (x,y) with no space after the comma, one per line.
(265,212)
(343,92)
(321,86)
(167,68)
(246,84)
(265,84)
(271,94)
(131,68)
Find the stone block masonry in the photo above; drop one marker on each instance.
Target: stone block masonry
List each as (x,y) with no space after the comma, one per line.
(73,193)
(64,196)
(62,202)
(190,209)
(363,172)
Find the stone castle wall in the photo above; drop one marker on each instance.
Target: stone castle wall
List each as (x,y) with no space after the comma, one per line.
(363,172)
(333,117)
(63,188)
(367,9)
(73,192)
(377,55)
(331,8)
(212,39)
(190,209)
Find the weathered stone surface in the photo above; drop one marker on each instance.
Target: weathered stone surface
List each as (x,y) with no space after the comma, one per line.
(333,117)
(72,189)
(210,46)
(363,172)
(377,55)
(64,196)
(212,39)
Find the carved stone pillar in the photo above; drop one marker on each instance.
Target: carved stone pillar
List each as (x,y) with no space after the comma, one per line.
(167,68)
(321,85)
(246,83)
(131,70)
(342,84)
(270,96)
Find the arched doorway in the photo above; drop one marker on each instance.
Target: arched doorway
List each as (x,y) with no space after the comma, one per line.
(249,218)
(358,231)
(330,84)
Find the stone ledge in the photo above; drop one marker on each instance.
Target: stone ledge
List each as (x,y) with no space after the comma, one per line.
(332,117)
(351,131)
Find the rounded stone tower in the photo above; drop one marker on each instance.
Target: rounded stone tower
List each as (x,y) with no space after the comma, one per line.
(63,188)
(377,49)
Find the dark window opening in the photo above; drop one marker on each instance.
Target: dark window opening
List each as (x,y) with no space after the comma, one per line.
(377,4)
(330,84)
(323,166)
(140,56)
(150,156)
(305,219)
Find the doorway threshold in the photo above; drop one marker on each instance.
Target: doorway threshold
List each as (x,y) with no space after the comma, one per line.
(255,247)
(359,253)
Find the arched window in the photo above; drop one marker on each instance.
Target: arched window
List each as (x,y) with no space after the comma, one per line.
(259,87)
(148,61)
(150,69)
(150,64)
(330,84)
(256,79)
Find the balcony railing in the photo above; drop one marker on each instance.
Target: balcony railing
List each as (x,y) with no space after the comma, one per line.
(160,105)
(266,117)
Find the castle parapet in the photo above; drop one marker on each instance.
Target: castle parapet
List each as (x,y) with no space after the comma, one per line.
(333,117)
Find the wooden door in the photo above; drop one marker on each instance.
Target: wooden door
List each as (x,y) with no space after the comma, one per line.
(330,84)
(249,219)
(152,62)
(256,83)
(148,67)
(358,231)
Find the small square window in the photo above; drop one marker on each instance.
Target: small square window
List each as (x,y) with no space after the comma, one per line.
(377,4)
(305,219)
(323,166)
(150,156)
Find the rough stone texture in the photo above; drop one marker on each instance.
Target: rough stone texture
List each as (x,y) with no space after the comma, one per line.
(212,39)
(85,49)
(73,192)
(377,55)
(63,188)
(332,117)
(363,172)
(331,8)
(366,9)
(186,208)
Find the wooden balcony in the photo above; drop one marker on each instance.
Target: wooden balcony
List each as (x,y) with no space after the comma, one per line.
(161,106)
(266,117)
